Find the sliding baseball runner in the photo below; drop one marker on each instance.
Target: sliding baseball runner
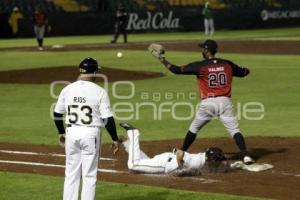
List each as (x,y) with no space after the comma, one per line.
(177,162)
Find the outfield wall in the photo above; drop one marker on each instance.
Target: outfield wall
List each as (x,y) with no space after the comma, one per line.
(179,20)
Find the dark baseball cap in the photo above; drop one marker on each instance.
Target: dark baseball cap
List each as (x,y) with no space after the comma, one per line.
(89,65)
(211,45)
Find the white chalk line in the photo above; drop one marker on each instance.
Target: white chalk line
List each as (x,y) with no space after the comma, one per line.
(32,153)
(101,170)
(52,165)
(203,180)
(289,174)
(44,154)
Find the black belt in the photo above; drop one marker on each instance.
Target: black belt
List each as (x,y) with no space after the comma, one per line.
(72,125)
(215,96)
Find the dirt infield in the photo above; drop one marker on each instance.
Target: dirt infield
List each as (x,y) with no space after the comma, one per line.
(48,75)
(225,46)
(282,182)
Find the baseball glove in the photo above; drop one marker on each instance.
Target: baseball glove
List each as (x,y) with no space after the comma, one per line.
(157,51)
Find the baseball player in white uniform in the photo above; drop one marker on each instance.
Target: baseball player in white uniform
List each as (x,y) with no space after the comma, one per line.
(87,108)
(178,162)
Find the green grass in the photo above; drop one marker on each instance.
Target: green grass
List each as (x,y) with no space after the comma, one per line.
(25,108)
(27,187)
(131,60)
(282,33)
(273,82)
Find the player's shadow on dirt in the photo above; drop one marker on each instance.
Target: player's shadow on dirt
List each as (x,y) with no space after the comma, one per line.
(257,153)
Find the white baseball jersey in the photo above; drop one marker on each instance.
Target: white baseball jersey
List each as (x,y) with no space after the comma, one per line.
(165,163)
(84,103)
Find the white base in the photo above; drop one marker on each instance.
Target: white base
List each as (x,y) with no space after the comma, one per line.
(255,167)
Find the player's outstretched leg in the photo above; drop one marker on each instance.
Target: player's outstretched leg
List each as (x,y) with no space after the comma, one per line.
(115,37)
(138,161)
(134,152)
(125,36)
(127,126)
(188,140)
(239,140)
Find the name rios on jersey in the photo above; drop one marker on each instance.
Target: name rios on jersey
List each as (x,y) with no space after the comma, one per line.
(79,100)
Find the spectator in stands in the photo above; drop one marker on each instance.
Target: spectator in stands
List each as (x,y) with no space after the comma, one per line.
(40,26)
(208,20)
(13,21)
(120,24)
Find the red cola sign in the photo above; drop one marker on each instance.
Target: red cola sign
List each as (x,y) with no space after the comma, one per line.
(153,21)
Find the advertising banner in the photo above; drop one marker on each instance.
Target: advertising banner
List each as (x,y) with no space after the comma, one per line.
(161,21)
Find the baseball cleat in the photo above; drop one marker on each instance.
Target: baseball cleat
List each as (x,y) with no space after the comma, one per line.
(248,160)
(179,157)
(127,126)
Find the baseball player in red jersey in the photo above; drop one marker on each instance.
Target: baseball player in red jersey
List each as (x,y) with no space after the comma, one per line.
(214,79)
(40,25)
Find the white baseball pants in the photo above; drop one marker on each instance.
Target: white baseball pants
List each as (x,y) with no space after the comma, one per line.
(218,107)
(39,31)
(165,163)
(82,155)
(139,162)
(209,26)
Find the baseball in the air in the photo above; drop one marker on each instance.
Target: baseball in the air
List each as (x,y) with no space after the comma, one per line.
(119,54)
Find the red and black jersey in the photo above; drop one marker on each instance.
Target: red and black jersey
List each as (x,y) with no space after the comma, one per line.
(214,76)
(40,18)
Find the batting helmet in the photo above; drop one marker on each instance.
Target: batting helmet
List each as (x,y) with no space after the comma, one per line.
(215,154)
(89,65)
